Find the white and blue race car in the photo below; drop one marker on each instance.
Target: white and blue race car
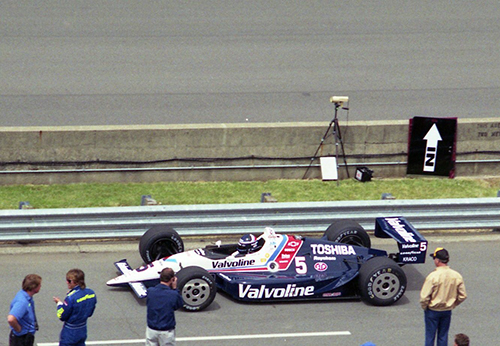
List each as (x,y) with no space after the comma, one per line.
(339,265)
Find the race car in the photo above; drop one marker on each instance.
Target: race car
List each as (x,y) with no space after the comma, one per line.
(278,267)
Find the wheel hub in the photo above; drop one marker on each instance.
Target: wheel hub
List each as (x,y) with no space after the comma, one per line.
(386,286)
(195,292)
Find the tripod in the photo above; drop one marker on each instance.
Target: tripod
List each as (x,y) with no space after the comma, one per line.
(335,128)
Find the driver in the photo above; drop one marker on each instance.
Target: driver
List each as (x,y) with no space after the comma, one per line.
(248,244)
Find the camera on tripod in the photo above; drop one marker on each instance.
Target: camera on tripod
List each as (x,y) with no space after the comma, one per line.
(340,100)
(334,126)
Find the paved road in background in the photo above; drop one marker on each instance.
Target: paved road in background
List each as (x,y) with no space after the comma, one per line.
(158,62)
(120,317)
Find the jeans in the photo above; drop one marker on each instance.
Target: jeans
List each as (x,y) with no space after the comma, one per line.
(437,322)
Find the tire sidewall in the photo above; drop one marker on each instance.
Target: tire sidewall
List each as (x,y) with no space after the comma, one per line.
(373,269)
(341,230)
(156,234)
(193,272)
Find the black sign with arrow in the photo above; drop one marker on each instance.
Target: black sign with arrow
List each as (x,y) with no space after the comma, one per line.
(432,146)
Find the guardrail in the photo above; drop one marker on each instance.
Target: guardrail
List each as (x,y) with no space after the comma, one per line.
(226,219)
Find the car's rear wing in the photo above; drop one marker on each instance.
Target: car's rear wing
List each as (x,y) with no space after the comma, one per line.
(412,245)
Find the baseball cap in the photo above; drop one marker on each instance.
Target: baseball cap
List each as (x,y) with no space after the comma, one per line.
(441,254)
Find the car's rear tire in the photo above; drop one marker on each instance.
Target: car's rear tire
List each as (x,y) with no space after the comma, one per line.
(381,281)
(197,287)
(348,232)
(158,242)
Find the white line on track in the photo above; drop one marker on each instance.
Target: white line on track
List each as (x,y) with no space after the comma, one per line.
(212,338)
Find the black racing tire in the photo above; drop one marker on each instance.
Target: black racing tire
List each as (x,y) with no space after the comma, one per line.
(158,242)
(348,232)
(381,281)
(197,287)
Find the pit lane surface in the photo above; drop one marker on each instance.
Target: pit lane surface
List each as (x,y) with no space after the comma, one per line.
(156,62)
(120,317)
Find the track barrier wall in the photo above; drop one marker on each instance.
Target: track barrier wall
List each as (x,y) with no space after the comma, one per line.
(217,152)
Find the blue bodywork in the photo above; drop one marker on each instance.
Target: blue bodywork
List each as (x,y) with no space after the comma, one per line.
(322,269)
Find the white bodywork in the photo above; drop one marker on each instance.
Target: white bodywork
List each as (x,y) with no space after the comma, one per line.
(258,261)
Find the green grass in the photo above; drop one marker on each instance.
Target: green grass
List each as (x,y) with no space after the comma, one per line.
(170,193)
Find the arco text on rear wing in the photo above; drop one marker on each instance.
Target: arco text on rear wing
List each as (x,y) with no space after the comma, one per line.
(412,245)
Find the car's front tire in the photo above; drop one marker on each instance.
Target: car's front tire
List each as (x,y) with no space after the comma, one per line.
(197,287)
(381,281)
(158,242)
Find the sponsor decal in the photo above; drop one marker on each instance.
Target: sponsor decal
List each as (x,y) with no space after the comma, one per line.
(411,246)
(332,294)
(400,228)
(285,257)
(229,264)
(270,232)
(410,253)
(409,259)
(320,266)
(264,260)
(345,233)
(329,249)
(264,292)
(324,258)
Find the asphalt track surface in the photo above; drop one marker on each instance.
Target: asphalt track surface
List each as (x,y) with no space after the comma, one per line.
(190,62)
(120,317)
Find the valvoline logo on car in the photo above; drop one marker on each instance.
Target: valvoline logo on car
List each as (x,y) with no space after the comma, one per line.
(321,266)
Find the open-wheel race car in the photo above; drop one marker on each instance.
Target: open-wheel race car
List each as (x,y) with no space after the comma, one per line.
(277,267)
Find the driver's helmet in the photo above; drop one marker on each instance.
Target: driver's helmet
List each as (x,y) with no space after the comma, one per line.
(247,244)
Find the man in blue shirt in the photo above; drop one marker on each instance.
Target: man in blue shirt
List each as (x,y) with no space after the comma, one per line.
(162,300)
(22,318)
(77,307)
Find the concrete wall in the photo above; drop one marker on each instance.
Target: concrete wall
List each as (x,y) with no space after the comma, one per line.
(238,151)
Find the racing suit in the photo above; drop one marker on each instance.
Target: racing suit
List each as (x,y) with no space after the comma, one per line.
(78,306)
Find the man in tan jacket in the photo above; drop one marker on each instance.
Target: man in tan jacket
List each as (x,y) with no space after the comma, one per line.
(442,291)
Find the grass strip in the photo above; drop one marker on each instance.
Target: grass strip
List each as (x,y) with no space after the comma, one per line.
(175,193)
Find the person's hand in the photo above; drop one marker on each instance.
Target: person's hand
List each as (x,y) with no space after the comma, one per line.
(57,300)
(174,282)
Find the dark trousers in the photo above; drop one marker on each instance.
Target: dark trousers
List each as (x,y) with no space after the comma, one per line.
(437,322)
(24,340)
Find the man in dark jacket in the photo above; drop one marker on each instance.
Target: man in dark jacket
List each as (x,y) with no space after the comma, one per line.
(162,300)
(76,308)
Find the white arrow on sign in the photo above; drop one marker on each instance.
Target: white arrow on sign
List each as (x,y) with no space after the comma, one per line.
(432,137)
